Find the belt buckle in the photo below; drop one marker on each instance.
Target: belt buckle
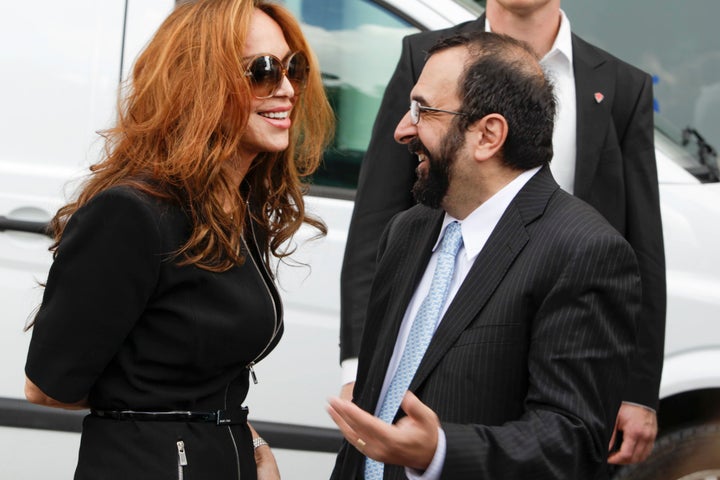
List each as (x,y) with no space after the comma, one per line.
(225,417)
(221,419)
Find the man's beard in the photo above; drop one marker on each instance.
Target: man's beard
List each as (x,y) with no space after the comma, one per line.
(430,188)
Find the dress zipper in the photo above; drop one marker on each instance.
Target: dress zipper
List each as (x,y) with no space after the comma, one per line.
(276,316)
(252,372)
(232,437)
(182,459)
(265,275)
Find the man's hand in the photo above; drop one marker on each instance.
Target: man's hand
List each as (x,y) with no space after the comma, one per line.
(346,392)
(639,428)
(411,442)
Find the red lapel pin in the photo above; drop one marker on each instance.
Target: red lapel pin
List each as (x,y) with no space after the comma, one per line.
(599,97)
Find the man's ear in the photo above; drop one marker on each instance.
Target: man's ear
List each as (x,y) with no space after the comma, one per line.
(489,134)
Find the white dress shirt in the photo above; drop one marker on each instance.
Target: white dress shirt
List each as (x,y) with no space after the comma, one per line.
(558,64)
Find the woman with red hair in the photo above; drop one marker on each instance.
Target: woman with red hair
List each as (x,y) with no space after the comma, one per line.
(161,296)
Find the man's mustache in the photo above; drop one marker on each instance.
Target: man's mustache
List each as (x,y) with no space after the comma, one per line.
(416,147)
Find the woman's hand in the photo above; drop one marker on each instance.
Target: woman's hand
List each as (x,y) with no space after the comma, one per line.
(267,468)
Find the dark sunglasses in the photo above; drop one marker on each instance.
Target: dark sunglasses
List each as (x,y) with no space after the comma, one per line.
(266,73)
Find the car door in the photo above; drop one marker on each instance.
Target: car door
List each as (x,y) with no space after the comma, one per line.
(62,63)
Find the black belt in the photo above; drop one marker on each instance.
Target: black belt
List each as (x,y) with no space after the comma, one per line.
(231,416)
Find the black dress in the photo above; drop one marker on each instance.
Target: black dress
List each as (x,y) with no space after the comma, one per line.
(123,325)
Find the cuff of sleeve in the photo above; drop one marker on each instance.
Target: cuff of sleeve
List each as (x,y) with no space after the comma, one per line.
(639,405)
(643,388)
(436,466)
(349,370)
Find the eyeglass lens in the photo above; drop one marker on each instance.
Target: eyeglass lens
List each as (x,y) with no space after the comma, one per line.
(267,71)
(414,112)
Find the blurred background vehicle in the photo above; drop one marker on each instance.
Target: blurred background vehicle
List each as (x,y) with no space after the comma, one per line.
(62,66)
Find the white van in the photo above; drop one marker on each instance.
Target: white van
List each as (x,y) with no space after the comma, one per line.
(61,65)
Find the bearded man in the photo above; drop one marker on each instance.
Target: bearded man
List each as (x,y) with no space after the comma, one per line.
(502,317)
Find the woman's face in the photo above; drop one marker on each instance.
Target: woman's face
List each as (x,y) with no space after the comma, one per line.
(268,128)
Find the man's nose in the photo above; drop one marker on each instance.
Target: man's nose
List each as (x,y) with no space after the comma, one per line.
(405,131)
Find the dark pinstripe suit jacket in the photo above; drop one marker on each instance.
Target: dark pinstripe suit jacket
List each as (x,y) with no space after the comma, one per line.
(527,368)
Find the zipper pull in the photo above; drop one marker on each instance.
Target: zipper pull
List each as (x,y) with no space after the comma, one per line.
(182,458)
(252,372)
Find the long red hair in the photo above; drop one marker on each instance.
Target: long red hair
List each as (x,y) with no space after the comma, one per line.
(180,122)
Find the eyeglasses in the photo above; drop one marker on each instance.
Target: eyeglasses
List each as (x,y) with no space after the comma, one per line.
(266,73)
(416,108)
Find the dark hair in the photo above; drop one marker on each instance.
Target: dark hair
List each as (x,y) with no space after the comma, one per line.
(504,77)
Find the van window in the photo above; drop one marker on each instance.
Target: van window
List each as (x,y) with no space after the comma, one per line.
(358,45)
(675,42)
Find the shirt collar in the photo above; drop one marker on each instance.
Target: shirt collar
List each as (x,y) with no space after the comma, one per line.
(563,40)
(477,227)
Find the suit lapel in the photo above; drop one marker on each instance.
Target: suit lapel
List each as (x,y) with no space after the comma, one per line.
(492,264)
(410,251)
(593,75)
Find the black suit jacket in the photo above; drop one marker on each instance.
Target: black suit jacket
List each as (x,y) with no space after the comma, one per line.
(527,367)
(615,173)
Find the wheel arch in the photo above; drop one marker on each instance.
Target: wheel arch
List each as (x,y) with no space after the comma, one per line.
(690,389)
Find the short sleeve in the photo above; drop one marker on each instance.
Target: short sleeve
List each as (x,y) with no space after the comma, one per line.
(103,275)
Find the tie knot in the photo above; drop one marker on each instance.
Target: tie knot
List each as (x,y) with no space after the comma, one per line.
(452,240)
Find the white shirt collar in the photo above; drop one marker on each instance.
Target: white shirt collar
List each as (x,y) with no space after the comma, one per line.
(477,227)
(563,41)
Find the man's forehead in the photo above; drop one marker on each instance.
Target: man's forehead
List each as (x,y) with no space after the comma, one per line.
(439,78)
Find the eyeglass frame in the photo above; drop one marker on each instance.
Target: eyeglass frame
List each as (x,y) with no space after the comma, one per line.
(416,108)
(284,65)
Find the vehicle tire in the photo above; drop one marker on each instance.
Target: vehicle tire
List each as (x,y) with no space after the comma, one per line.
(692,453)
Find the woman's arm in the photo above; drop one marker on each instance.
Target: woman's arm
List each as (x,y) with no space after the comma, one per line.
(37,396)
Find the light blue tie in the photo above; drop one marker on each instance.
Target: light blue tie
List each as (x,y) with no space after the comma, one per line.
(421,332)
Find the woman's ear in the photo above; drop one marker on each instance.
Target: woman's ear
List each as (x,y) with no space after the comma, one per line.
(488,134)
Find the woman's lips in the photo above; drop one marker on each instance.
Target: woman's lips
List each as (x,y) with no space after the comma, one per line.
(277,118)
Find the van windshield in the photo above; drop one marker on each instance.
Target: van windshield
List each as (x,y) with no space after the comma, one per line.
(678,44)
